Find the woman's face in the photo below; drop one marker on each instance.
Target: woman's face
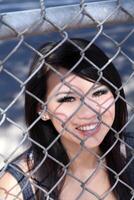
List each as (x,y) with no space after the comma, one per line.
(79,120)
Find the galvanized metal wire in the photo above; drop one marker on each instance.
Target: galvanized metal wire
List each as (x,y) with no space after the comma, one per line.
(19,25)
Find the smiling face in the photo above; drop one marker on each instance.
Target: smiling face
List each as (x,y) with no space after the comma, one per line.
(79,109)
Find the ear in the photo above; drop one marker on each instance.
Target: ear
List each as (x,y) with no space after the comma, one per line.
(44,116)
(42,111)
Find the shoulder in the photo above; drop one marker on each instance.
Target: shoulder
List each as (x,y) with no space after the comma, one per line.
(13,179)
(9,188)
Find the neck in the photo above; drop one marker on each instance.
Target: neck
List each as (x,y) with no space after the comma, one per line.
(81,159)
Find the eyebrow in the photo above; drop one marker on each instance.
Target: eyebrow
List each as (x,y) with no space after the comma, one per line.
(73,90)
(65,92)
(97,85)
(80,92)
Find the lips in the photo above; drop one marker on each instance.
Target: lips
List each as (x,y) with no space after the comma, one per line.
(89,129)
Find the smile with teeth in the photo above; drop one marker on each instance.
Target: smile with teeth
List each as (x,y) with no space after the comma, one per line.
(90,128)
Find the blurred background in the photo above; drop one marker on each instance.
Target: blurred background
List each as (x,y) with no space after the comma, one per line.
(11,131)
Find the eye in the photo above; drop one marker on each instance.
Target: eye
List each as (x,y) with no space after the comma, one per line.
(66,99)
(100,92)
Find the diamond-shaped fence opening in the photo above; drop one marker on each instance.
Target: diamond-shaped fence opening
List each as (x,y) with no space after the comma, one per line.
(67,126)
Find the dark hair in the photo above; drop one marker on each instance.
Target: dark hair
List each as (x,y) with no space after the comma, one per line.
(91,66)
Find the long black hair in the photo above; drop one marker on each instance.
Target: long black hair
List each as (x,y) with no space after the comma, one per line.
(94,65)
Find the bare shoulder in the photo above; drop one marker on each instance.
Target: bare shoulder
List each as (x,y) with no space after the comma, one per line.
(9,188)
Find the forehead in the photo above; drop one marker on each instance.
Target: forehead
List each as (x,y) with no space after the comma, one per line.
(55,84)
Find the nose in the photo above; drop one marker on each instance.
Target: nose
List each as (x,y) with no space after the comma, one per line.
(89,110)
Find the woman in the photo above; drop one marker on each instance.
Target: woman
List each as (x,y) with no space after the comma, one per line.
(75,111)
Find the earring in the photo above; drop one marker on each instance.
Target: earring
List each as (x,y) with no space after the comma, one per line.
(39,113)
(44,117)
(42,112)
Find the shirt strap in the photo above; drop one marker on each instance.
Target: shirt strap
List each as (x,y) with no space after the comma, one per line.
(22,180)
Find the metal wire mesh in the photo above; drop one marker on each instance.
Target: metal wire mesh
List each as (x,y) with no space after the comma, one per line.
(19,25)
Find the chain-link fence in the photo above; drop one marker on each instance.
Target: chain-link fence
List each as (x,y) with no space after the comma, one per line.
(77,144)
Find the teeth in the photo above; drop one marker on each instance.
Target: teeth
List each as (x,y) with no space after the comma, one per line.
(87,127)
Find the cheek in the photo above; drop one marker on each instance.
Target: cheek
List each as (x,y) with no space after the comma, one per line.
(108,108)
(59,120)
(61,116)
(62,112)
